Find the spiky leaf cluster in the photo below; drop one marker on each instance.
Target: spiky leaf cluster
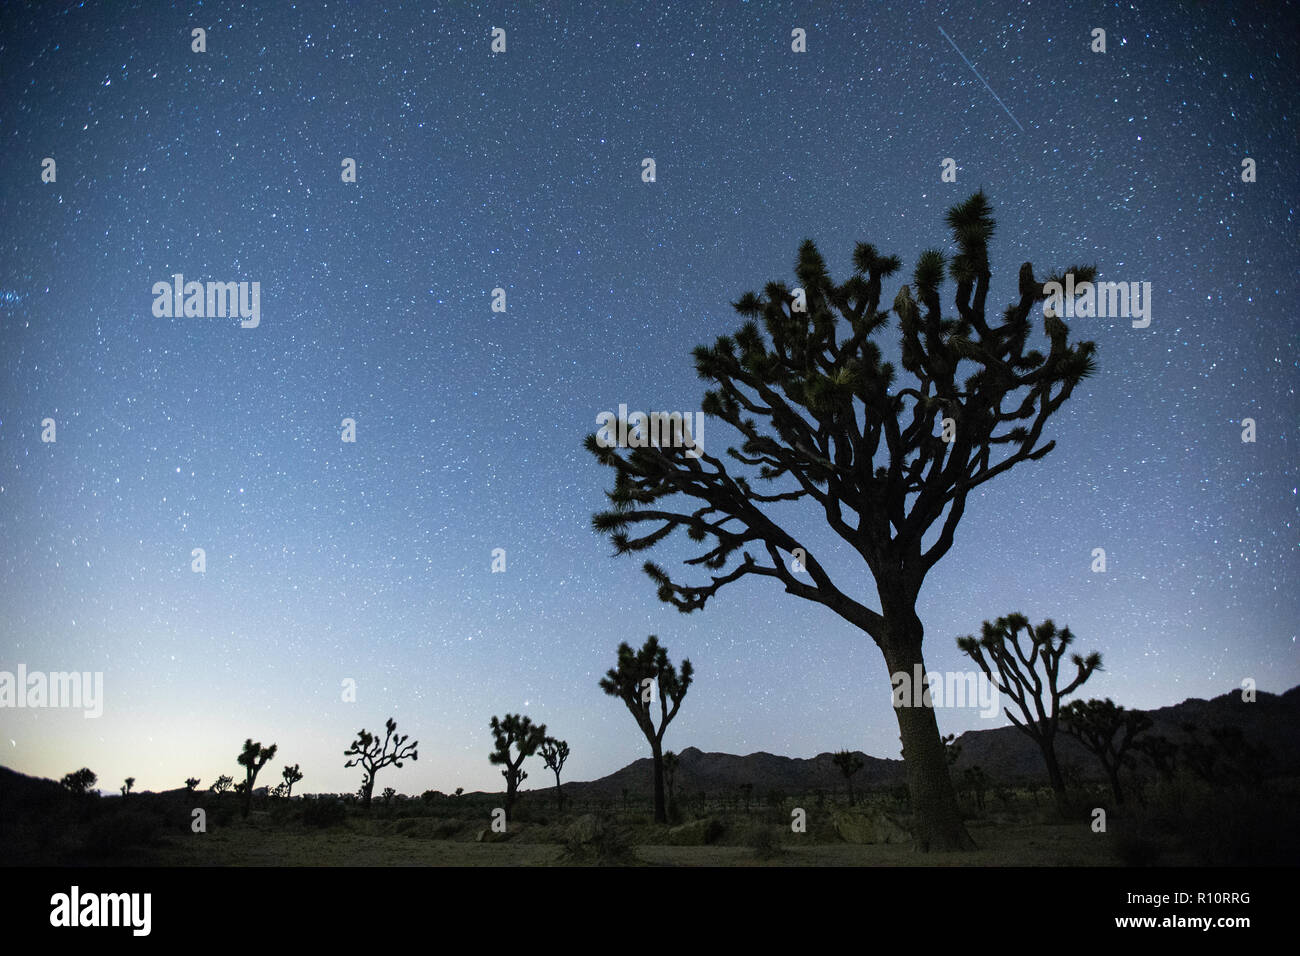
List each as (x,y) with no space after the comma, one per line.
(626,681)
(1037,695)
(519,732)
(821,418)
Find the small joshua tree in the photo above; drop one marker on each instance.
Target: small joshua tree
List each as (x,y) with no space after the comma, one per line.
(126,787)
(1038,697)
(1225,755)
(291,776)
(253,759)
(1108,730)
(389,793)
(372,755)
(79,782)
(519,731)
(849,764)
(459,791)
(191,783)
(634,681)
(554,754)
(222,784)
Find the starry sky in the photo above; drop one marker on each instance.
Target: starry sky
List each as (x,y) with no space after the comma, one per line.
(371,561)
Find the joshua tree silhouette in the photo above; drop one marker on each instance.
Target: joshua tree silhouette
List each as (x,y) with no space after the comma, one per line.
(191,783)
(554,754)
(634,681)
(526,738)
(1108,730)
(849,764)
(816,406)
(372,755)
(253,759)
(291,776)
(998,647)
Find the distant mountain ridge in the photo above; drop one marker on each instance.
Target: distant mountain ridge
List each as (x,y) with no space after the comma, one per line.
(1005,754)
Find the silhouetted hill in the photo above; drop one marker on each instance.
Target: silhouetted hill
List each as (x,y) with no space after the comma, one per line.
(715,772)
(1004,754)
(19,788)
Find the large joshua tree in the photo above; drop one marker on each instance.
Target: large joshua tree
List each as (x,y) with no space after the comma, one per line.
(634,681)
(373,755)
(1037,696)
(888,468)
(526,738)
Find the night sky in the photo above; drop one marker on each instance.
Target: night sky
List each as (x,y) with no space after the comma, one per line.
(521,170)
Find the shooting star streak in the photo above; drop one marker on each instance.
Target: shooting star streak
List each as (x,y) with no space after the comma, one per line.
(982,80)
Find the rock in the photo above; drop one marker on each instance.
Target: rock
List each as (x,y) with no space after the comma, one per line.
(860,825)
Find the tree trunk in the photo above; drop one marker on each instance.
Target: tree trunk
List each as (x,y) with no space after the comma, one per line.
(1113,773)
(511,784)
(661,812)
(936,821)
(559,794)
(1054,775)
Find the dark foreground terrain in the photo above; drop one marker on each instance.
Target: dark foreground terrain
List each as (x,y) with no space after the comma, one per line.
(1181,821)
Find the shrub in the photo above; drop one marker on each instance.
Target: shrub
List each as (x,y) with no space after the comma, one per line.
(113,833)
(765,840)
(608,846)
(324,812)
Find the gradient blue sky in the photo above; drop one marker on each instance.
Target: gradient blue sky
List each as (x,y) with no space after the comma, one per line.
(521,170)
